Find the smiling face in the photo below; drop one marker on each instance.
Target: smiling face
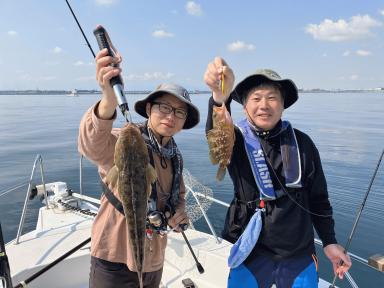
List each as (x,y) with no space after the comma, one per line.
(163,123)
(264,106)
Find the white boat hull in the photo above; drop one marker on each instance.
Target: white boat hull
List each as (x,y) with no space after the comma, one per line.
(57,232)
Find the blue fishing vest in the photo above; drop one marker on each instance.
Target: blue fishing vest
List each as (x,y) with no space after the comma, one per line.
(289,153)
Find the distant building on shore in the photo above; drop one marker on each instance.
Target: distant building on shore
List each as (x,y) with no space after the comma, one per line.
(77,92)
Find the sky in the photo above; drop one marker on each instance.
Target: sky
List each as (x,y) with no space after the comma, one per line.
(329,44)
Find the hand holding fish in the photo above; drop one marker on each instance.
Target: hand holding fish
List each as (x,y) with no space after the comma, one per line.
(220,79)
(106,68)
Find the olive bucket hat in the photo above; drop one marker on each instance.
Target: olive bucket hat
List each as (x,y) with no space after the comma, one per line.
(180,93)
(288,87)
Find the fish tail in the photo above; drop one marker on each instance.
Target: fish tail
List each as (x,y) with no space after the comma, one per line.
(140,275)
(220,173)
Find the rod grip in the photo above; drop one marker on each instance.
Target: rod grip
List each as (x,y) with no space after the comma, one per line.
(104,42)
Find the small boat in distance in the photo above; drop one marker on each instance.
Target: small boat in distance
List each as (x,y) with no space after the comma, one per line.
(73,93)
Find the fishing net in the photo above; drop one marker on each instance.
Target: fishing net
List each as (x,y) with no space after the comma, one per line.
(203,194)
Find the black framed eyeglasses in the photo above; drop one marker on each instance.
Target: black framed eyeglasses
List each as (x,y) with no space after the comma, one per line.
(168,109)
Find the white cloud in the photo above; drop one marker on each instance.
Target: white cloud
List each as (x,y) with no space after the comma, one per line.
(12,33)
(354,77)
(149,76)
(240,46)
(357,28)
(193,8)
(57,50)
(325,54)
(162,34)
(78,63)
(346,53)
(106,2)
(381,12)
(81,63)
(363,53)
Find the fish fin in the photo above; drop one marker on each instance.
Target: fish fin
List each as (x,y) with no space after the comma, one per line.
(213,158)
(112,176)
(220,173)
(151,178)
(140,276)
(151,174)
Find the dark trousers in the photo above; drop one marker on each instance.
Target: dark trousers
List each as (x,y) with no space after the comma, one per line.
(105,274)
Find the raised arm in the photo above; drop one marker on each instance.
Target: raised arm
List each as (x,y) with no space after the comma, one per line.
(213,77)
(96,138)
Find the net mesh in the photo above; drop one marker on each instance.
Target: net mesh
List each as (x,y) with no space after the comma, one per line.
(192,207)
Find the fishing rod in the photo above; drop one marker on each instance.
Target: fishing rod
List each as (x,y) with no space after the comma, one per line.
(5,273)
(198,264)
(49,266)
(116,82)
(358,216)
(104,41)
(119,93)
(81,29)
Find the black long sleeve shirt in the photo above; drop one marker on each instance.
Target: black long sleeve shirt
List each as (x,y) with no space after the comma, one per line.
(287,228)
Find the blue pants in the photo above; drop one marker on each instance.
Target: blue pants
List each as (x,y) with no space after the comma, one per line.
(262,272)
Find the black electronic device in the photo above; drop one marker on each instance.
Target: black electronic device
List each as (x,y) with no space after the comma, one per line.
(104,41)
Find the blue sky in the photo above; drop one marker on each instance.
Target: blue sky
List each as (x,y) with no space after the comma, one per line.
(319,44)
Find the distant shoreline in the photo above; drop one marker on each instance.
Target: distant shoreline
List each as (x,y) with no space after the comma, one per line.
(65,92)
(79,92)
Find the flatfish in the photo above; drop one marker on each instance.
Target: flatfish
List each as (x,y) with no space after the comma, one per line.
(134,178)
(221,139)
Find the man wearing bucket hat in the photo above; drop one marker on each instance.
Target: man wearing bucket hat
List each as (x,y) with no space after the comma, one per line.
(168,110)
(280,192)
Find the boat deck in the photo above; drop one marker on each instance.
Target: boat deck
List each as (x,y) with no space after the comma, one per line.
(59,231)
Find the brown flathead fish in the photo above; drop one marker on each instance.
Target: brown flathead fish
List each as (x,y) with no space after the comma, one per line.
(221,139)
(134,178)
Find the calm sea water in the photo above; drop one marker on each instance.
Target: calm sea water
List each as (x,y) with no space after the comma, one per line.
(346,127)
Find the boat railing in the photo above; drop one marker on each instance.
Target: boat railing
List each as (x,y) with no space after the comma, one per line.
(196,196)
(38,160)
(81,174)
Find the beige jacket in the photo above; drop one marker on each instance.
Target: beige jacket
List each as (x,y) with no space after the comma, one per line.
(97,141)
